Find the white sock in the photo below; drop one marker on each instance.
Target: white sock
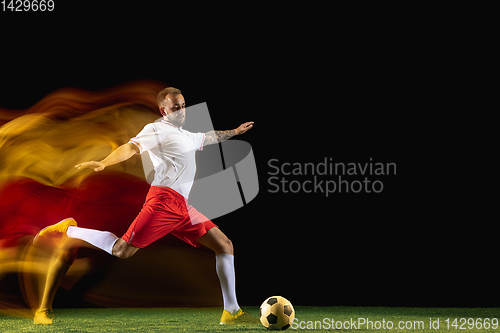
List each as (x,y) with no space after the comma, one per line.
(224,264)
(101,239)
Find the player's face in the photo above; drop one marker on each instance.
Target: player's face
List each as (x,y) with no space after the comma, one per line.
(174,109)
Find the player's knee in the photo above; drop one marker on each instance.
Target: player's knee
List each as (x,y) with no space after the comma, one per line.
(122,253)
(119,253)
(228,247)
(123,250)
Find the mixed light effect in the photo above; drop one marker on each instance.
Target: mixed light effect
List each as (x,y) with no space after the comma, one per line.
(71,125)
(39,185)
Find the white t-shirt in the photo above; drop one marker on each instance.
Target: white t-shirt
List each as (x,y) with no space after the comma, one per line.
(172,151)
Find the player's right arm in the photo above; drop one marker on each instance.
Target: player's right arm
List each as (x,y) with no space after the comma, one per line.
(122,153)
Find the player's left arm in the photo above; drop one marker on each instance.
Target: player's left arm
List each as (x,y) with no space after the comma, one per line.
(219,136)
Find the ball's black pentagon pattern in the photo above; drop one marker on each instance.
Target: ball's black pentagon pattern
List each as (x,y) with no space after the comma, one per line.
(276,313)
(272,300)
(272,319)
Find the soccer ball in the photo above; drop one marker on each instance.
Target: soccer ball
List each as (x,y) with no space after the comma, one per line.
(276,313)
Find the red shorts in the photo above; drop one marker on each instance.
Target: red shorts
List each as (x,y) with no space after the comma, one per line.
(166,211)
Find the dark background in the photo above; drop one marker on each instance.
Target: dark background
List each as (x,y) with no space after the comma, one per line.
(348,85)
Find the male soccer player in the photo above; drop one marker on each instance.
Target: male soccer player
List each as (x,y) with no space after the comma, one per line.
(172,151)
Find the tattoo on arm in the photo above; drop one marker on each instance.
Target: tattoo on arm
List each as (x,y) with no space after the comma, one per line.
(224,135)
(218,136)
(210,138)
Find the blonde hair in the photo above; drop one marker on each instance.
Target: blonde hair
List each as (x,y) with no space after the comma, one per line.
(160,99)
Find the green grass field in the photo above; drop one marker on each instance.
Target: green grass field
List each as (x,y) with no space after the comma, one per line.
(207,320)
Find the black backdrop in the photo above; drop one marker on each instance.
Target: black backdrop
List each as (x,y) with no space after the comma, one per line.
(346,90)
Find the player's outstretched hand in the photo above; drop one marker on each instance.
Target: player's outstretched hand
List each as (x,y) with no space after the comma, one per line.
(244,127)
(97,166)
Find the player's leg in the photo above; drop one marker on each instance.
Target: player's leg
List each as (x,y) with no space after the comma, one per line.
(224,251)
(199,230)
(217,241)
(105,241)
(138,232)
(109,242)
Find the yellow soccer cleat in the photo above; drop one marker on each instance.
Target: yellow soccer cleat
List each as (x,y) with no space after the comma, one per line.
(58,228)
(43,317)
(239,317)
